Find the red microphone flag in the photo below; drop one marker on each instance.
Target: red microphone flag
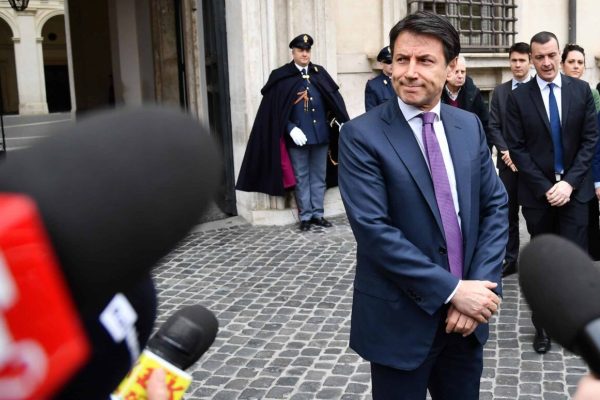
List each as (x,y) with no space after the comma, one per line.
(42,342)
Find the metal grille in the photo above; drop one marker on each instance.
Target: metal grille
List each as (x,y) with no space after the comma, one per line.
(483,26)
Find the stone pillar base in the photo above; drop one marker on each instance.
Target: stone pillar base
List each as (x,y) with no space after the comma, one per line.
(333,207)
(33,108)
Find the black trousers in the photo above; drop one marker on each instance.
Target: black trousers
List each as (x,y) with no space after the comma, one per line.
(569,221)
(451,371)
(594,230)
(510,180)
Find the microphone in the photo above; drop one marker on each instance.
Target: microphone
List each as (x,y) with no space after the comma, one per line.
(117,334)
(176,346)
(116,192)
(111,196)
(562,286)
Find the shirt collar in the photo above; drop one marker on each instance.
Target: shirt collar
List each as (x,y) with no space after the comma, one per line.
(515,81)
(450,94)
(411,112)
(301,68)
(542,83)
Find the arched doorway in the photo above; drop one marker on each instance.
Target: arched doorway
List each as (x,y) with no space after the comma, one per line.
(56,71)
(9,94)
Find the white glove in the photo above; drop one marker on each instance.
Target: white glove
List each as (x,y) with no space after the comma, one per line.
(298,136)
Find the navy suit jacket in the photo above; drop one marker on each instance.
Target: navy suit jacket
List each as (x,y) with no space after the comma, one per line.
(378,90)
(402,274)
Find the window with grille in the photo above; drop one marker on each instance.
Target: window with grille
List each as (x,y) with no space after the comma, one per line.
(484,25)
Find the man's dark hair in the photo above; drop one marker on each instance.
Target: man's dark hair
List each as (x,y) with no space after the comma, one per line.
(519,47)
(543,37)
(428,23)
(569,48)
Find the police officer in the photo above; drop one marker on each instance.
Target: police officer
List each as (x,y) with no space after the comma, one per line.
(380,89)
(301,104)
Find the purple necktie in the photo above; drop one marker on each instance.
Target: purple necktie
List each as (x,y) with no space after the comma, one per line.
(443,196)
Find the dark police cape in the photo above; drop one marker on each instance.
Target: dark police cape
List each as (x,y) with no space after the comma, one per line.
(261,169)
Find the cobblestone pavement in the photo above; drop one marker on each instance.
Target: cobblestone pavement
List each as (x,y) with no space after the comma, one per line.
(283,301)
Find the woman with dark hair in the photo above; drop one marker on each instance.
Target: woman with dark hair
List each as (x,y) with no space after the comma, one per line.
(573,64)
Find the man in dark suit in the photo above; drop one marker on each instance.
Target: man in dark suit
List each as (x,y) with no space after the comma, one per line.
(429,216)
(379,89)
(552,134)
(518,56)
(460,91)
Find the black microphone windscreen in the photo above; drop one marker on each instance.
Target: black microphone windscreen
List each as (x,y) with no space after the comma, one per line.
(561,285)
(110,360)
(116,192)
(185,336)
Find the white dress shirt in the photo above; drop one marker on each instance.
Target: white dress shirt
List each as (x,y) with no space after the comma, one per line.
(412,115)
(545,90)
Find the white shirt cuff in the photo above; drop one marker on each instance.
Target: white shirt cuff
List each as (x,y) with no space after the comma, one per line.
(453,293)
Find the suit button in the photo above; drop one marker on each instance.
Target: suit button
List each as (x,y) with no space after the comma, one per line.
(311,99)
(443,251)
(314,121)
(313,110)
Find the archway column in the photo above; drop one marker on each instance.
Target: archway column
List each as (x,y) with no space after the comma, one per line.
(29,61)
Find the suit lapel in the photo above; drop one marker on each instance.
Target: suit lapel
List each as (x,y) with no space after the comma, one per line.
(462,166)
(403,141)
(536,97)
(565,101)
(505,89)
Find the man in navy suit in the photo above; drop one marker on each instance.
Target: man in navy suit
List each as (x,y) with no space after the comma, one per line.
(379,89)
(429,215)
(551,135)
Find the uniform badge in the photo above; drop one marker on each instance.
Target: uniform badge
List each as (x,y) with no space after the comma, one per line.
(305,39)
(316,69)
(385,81)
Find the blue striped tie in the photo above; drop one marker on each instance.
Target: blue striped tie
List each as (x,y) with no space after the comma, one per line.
(556,132)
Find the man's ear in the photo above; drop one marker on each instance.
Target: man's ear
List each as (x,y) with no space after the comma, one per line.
(451,65)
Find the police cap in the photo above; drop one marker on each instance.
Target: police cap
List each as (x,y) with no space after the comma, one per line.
(303,41)
(385,55)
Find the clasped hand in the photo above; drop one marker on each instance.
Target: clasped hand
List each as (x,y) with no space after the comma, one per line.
(559,194)
(473,303)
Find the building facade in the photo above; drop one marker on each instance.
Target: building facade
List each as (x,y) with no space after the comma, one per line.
(212,57)
(33,59)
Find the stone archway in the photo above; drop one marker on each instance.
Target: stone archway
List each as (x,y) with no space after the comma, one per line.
(9,93)
(56,70)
